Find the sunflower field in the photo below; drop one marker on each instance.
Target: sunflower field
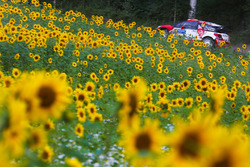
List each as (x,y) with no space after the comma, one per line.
(78,91)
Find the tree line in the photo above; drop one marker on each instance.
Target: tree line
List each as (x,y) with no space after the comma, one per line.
(235,14)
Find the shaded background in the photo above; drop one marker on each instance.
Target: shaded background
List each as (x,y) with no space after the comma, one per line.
(235,14)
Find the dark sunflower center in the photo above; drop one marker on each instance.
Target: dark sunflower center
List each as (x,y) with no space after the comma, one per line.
(143,142)
(185,84)
(203,83)
(14,134)
(148,99)
(79,130)
(224,162)
(97,118)
(81,97)
(190,146)
(47,126)
(92,110)
(35,139)
(89,88)
(81,114)
(7,83)
(45,155)
(47,96)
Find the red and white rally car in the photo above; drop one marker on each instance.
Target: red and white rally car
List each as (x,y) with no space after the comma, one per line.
(207,32)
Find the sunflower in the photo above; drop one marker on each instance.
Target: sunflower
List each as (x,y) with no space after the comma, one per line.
(96,117)
(13,140)
(162,85)
(174,103)
(217,102)
(135,80)
(48,125)
(91,108)
(8,81)
(189,69)
(143,144)
(46,154)
(16,72)
(130,99)
(106,77)
(162,94)
(81,115)
(89,87)
(180,102)
(190,142)
(154,87)
(176,85)
(170,88)
(185,84)
(45,96)
(36,57)
(116,86)
(203,82)
(189,102)
(37,138)
(50,60)
(198,98)
(229,150)
(149,98)
(127,84)
(208,53)
(164,104)
(79,130)
(153,108)
(63,76)
(93,76)
(74,64)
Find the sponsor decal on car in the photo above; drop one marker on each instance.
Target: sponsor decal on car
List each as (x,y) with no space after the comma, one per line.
(200,32)
(181,31)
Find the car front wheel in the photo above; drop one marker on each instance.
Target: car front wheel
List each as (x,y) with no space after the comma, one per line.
(209,41)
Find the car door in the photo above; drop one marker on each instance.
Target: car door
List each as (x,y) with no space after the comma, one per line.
(178,29)
(191,29)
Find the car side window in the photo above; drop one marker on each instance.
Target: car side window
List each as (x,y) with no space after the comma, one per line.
(191,25)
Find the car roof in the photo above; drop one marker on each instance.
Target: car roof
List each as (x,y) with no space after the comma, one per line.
(206,22)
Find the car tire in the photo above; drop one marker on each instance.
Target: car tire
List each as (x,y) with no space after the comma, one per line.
(209,41)
(166,33)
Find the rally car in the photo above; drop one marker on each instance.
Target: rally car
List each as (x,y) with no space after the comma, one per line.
(210,33)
